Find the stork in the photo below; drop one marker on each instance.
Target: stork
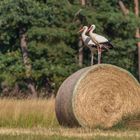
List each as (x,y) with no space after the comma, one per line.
(88,42)
(100,41)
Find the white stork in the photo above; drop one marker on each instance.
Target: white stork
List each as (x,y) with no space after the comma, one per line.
(88,42)
(100,41)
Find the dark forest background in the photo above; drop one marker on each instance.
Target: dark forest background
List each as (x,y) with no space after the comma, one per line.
(39,44)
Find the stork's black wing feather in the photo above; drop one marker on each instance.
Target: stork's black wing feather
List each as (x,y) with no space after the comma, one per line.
(87,40)
(111,45)
(108,45)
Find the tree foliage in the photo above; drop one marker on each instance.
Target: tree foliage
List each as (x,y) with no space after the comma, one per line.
(51,29)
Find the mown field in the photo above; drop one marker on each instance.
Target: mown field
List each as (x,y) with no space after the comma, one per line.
(31,137)
(35,119)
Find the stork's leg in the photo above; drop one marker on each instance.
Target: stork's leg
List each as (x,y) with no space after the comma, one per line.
(92,58)
(99,55)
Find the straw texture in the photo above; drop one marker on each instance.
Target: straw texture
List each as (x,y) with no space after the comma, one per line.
(99,95)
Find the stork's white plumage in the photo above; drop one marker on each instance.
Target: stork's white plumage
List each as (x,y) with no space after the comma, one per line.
(88,42)
(86,39)
(100,39)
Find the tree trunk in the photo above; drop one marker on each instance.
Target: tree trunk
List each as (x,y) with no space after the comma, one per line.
(83,2)
(123,8)
(26,61)
(137,35)
(80,54)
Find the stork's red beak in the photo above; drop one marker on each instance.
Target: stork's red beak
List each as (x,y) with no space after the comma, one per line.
(80,30)
(89,29)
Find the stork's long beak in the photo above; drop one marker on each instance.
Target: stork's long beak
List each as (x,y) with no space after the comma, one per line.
(89,29)
(80,30)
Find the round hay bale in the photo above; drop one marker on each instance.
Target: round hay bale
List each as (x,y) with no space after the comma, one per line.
(97,96)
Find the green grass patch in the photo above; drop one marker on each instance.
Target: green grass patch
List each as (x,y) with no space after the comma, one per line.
(131,122)
(29,121)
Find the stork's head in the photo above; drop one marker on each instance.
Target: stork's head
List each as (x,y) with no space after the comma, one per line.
(92,27)
(84,28)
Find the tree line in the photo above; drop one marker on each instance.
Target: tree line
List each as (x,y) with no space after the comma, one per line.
(40,47)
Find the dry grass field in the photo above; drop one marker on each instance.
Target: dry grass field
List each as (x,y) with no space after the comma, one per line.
(35,119)
(27,113)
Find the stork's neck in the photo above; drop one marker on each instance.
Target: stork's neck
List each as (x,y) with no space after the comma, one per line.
(91,32)
(84,33)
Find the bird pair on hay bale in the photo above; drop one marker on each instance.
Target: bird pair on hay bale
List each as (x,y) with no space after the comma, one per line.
(100,95)
(94,42)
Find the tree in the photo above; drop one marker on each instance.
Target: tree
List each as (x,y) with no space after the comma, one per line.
(39,41)
(28,25)
(19,16)
(83,2)
(137,35)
